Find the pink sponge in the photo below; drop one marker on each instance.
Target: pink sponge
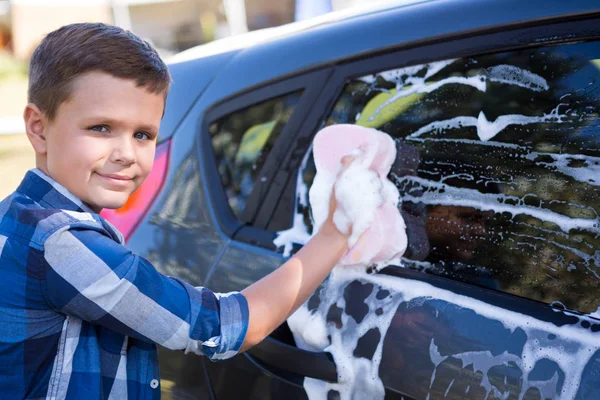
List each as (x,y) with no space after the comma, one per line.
(385,237)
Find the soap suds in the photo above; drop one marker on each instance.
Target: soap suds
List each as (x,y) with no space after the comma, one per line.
(357,203)
(358,377)
(436,193)
(512,75)
(298,233)
(571,347)
(362,191)
(487,130)
(367,201)
(408,82)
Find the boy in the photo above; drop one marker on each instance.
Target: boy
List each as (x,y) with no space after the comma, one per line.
(80,316)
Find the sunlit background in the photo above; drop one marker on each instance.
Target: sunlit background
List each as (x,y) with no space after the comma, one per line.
(170,25)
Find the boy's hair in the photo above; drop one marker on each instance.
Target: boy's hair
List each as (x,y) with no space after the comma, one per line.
(74,49)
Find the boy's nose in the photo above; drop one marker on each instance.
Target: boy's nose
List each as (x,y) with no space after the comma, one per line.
(123,152)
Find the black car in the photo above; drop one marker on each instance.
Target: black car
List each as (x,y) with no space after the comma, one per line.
(494,108)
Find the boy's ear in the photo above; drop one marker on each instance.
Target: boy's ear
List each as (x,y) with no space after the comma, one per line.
(35,122)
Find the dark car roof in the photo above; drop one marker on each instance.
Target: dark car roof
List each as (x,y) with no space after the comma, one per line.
(239,63)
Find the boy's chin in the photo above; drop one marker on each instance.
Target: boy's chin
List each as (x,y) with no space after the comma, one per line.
(110,204)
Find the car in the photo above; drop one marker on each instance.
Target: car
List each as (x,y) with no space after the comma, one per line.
(493,107)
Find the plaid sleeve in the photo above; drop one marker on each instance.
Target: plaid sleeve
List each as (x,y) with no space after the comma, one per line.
(92,277)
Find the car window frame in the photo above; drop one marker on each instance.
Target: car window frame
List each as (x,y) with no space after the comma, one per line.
(309,83)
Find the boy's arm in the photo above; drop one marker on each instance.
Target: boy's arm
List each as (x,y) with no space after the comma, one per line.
(274,298)
(98,280)
(92,277)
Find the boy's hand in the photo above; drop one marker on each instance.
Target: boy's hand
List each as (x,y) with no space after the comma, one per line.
(329,226)
(273,298)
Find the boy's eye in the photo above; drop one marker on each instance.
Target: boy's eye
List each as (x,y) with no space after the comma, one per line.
(99,128)
(141,136)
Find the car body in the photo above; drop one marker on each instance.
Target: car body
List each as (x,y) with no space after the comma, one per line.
(493,105)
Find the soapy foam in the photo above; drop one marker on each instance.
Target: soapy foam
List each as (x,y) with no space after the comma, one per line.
(571,349)
(591,262)
(359,376)
(483,361)
(298,233)
(408,82)
(512,75)
(395,75)
(419,86)
(357,203)
(367,200)
(588,174)
(319,194)
(487,130)
(436,193)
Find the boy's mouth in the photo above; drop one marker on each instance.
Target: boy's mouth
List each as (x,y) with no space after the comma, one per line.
(116,179)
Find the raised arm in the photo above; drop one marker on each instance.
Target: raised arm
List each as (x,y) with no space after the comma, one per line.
(275,297)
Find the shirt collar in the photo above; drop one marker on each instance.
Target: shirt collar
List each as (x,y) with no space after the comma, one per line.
(43,189)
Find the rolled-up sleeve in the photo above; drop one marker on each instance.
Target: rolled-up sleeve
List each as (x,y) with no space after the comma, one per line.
(94,278)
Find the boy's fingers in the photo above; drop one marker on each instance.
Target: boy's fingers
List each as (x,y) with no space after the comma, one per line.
(347,160)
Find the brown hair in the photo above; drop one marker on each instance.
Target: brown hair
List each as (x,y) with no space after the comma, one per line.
(75,49)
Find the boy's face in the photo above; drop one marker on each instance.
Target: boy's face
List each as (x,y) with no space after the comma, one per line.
(100,145)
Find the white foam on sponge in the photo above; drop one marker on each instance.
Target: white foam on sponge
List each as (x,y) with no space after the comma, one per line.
(367,202)
(319,195)
(359,192)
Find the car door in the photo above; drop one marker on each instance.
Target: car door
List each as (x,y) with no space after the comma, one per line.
(498,153)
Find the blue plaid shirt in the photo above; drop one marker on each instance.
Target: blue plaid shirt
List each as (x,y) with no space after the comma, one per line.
(80,315)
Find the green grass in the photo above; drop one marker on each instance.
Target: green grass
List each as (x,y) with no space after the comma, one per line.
(16,157)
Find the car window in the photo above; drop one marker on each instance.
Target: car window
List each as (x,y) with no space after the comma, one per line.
(498,167)
(242,141)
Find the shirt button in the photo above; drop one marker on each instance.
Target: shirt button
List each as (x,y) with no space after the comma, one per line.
(153,383)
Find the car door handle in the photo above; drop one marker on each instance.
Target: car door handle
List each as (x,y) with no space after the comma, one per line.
(275,353)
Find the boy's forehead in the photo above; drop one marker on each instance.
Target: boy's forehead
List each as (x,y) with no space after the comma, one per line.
(103,95)
(103,84)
